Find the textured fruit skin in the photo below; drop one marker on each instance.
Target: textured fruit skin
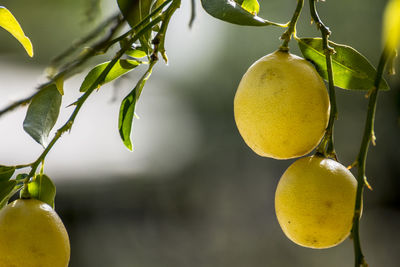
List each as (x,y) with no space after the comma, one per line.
(314,202)
(32,235)
(281,106)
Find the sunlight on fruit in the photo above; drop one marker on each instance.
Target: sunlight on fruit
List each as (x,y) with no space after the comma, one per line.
(281,106)
(391,24)
(314,202)
(35,236)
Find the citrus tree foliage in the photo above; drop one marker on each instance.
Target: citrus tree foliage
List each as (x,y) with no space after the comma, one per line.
(340,65)
(10,24)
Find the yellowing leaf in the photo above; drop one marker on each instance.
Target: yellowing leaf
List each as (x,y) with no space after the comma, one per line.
(391,24)
(10,24)
(251,6)
(59,82)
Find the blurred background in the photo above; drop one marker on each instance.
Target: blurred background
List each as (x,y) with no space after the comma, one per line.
(192,194)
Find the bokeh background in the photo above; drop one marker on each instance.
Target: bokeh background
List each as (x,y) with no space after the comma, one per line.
(192,194)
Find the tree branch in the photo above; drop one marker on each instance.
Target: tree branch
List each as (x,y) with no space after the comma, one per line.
(326,147)
(368,137)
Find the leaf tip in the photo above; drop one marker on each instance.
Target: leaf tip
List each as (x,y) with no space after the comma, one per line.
(28,47)
(128,145)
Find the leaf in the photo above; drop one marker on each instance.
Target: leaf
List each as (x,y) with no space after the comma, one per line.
(251,6)
(351,70)
(21,177)
(42,113)
(134,11)
(6,191)
(10,24)
(43,189)
(391,24)
(230,11)
(156,4)
(136,53)
(127,110)
(6,172)
(122,67)
(59,82)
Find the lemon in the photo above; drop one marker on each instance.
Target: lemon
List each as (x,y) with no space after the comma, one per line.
(32,235)
(281,106)
(391,24)
(314,202)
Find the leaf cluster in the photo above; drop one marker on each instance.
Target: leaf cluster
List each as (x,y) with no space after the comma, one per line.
(351,69)
(140,44)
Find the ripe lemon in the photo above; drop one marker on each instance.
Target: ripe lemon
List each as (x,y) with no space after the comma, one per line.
(32,235)
(281,106)
(314,202)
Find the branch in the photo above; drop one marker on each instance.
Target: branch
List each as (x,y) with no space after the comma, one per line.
(72,67)
(287,35)
(144,28)
(326,146)
(16,104)
(368,137)
(192,14)
(94,34)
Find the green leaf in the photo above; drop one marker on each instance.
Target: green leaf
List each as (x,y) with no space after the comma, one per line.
(157,3)
(20,177)
(42,113)
(10,24)
(126,113)
(351,70)
(127,110)
(136,53)
(43,189)
(6,191)
(6,172)
(251,6)
(134,10)
(122,67)
(232,12)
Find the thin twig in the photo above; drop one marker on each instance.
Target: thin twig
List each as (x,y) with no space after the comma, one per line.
(287,35)
(68,69)
(326,146)
(192,14)
(16,104)
(79,103)
(362,156)
(160,37)
(92,35)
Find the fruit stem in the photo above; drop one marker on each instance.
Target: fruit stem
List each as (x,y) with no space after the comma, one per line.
(24,194)
(287,35)
(362,155)
(326,146)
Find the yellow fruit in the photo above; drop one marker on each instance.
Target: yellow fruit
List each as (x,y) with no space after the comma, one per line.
(32,235)
(281,106)
(391,24)
(314,202)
